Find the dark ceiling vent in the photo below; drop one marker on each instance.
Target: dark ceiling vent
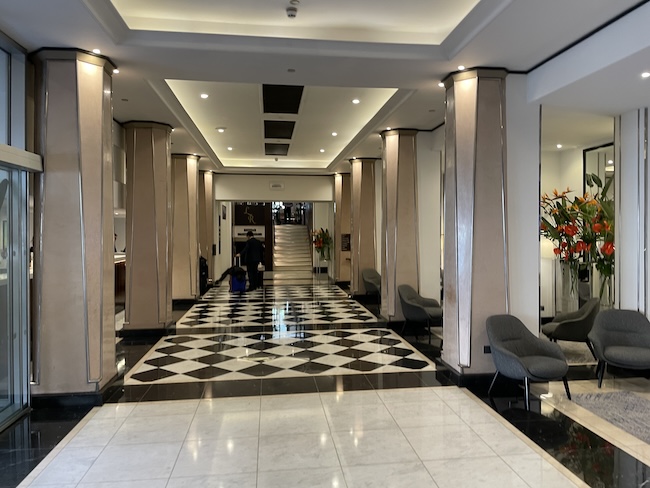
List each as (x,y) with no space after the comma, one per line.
(278,129)
(281,99)
(276,149)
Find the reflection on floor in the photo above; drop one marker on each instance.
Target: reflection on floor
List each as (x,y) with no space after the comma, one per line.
(318,405)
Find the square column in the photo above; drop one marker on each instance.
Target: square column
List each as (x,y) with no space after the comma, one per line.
(342,223)
(74,299)
(148,226)
(363,221)
(475,253)
(206,219)
(185,270)
(399,219)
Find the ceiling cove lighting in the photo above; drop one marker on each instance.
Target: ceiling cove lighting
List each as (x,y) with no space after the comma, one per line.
(645,74)
(559,146)
(96,51)
(356,101)
(204,95)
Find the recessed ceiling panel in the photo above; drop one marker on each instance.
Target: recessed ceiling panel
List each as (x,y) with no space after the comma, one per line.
(384,21)
(281,99)
(276,149)
(328,121)
(278,129)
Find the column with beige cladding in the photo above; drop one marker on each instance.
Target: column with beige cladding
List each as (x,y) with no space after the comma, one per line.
(148,226)
(399,259)
(363,246)
(185,269)
(342,223)
(475,252)
(73,313)
(206,219)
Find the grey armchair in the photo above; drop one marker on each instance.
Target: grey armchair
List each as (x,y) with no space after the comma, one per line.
(371,281)
(419,309)
(519,355)
(574,326)
(621,338)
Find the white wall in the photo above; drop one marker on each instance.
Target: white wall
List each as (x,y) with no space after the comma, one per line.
(428,202)
(522,202)
(257,188)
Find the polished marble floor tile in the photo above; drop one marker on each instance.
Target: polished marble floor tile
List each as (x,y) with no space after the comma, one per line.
(343,438)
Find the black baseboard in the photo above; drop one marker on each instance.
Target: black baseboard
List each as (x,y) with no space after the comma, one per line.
(342,284)
(372,299)
(143,333)
(67,400)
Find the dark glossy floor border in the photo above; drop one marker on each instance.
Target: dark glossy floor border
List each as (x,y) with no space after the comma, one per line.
(276,386)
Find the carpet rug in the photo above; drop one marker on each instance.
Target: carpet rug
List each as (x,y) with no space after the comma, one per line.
(623,409)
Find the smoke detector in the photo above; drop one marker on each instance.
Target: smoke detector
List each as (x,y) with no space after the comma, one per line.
(292,12)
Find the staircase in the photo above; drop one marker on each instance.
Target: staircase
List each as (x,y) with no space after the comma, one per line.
(292,251)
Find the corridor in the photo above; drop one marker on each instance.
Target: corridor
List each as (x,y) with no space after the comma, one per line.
(291,386)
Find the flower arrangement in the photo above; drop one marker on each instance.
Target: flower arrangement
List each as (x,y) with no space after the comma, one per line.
(322,242)
(582,228)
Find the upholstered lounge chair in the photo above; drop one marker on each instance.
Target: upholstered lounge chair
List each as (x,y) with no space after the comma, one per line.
(574,326)
(520,355)
(418,309)
(371,281)
(621,338)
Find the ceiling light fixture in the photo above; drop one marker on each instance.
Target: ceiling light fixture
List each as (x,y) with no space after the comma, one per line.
(229,148)
(116,71)
(441,84)
(645,74)
(388,128)
(221,130)
(97,51)
(173,129)
(322,150)
(204,95)
(559,146)
(610,162)
(334,134)
(461,68)
(356,101)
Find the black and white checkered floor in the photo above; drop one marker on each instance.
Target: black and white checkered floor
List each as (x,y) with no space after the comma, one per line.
(216,357)
(276,332)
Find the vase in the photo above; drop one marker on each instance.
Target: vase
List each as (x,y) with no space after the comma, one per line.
(566,288)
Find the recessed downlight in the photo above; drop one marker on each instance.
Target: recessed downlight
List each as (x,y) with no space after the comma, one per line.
(116,71)
(610,162)
(645,74)
(97,51)
(461,68)
(229,148)
(356,101)
(173,129)
(441,84)
(559,146)
(221,130)
(388,128)
(322,150)
(204,95)
(334,134)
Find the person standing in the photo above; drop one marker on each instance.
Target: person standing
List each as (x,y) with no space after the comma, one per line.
(252,256)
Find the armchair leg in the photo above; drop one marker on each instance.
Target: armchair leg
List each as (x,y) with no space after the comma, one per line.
(566,387)
(494,380)
(527,393)
(591,349)
(602,365)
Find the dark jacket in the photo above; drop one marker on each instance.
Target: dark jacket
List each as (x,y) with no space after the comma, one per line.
(253,252)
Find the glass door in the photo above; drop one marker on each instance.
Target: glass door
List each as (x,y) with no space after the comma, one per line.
(14,375)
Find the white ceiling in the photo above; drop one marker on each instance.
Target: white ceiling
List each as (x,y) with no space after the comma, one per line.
(168,50)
